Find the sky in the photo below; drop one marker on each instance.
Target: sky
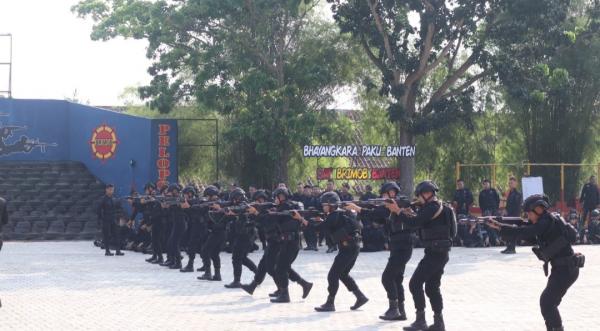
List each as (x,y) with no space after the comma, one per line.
(54,57)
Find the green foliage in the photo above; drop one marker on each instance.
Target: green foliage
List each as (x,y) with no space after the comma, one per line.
(269,67)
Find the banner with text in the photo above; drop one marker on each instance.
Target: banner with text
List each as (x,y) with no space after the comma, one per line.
(358,173)
(358,151)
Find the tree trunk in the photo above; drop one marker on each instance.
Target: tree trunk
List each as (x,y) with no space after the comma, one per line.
(281,166)
(407,165)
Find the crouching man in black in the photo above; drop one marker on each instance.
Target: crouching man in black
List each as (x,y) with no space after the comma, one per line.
(107,214)
(435,223)
(554,237)
(345,232)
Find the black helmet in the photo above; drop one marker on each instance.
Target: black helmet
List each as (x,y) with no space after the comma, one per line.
(426,186)
(174,187)
(283,191)
(237,194)
(595,213)
(329,198)
(150,185)
(534,201)
(260,194)
(386,187)
(189,189)
(210,190)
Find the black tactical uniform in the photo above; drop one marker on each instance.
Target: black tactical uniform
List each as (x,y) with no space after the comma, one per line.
(401,247)
(463,199)
(196,227)
(434,232)
(554,248)
(178,220)
(3,219)
(345,231)
(245,235)
(513,209)
(107,211)
(267,263)
(289,247)
(215,223)
(590,197)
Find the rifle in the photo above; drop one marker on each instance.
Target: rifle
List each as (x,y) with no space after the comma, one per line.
(307,213)
(502,220)
(401,201)
(36,143)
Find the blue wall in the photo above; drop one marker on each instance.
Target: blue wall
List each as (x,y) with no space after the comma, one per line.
(71,127)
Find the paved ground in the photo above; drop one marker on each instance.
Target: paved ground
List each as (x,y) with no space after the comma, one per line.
(72,286)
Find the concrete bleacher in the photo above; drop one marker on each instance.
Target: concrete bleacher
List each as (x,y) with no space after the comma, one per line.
(49,200)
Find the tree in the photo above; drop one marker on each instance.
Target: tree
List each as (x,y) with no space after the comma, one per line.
(268,66)
(409,40)
(553,88)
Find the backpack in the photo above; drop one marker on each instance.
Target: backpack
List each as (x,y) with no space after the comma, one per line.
(450,220)
(567,229)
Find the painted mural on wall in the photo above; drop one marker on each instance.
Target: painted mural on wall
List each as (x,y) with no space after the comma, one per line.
(23,144)
(104,142)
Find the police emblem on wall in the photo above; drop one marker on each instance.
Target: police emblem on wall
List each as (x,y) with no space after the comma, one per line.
(104,142)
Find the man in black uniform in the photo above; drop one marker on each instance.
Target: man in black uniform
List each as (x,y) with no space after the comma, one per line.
(268,222)
(463,198)
(401,247)
(345,231)
(196,227)
(245,235)
(590,197)
(215,240)
(513,209)
(553,238)
(178,220)
(435,223)
(489,202)
(107,214)
(289,246)
(368,194)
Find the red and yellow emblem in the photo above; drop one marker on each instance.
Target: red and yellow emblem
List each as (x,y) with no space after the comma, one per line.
(104,142)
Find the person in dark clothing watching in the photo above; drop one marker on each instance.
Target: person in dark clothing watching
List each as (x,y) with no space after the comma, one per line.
(368,194)
(345,193)
(489,202)
(552,235)
(513,209)
(107,214)
(590,199)
(463,198)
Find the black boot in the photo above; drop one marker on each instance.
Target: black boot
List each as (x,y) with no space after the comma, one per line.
(508,250)
(393,313)
(108,253)
(217,276)
(306,287)
(189,267)
(234,284)
(361,299)
(167,263)
(176,264)
(152,259)
(119,253)
(327,306)
(207,275)
(249,288)
(202,268)
(438,323)
(275,294)
(158,260)
(419,324)
(284,296)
